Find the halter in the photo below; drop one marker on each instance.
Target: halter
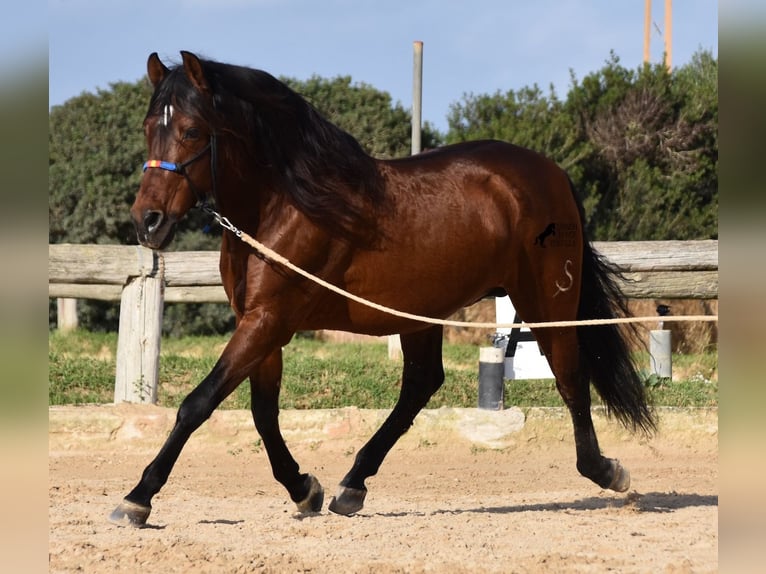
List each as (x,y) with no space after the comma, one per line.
(180,168)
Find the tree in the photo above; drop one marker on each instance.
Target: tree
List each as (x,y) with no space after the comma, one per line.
(640,145)
(525,117)
(95,147)
(653,173)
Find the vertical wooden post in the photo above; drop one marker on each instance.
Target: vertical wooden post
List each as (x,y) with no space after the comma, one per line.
(417,95)
(669,34)
(138,342)
(647,30)
(394,341)
(66,313)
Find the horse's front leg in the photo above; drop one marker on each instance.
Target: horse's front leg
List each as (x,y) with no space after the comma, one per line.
(304,489)
(242,355)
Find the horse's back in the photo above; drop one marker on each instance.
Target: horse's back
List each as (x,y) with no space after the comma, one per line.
(485,191)
(478,169)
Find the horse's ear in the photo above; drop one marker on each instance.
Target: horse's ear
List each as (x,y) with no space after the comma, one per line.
(155,69)
(194,71)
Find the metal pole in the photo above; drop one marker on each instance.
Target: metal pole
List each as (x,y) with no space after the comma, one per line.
(491,371)
(660,353)
(660,348)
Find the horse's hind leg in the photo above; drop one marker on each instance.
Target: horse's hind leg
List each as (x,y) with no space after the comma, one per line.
(304,489)
(422,376)
(573,383)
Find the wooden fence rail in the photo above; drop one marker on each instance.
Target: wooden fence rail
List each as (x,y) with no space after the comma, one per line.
(143,280)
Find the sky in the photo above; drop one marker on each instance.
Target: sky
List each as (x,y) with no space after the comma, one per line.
(469,47)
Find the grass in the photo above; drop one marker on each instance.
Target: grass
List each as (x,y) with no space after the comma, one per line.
(81,368)
(327,375)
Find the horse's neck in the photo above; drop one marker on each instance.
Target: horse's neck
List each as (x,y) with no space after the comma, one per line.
(243,202)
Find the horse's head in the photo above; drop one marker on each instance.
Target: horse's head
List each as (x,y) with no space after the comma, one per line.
(180,171)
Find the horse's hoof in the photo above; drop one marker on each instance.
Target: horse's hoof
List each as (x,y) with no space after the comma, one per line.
(348,501)
(315,497)
(621,477)
(130,514)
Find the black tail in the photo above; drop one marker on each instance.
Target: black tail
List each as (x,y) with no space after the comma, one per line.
(604,350)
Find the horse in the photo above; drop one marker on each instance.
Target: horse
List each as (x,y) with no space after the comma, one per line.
(427,234)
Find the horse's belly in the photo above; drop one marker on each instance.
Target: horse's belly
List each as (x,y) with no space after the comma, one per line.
(434,287)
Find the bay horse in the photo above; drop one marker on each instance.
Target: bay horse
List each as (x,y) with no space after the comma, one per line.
(427,234)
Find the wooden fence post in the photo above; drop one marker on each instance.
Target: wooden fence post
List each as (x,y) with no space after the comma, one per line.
(138,341)
(66,312)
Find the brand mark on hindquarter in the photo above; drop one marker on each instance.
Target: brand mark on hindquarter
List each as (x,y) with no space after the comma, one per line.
(558,235)
(547,232)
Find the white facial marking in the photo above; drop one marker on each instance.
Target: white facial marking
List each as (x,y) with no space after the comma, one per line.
(167,113)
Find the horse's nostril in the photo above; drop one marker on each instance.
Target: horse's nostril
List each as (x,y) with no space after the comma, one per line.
(152,220)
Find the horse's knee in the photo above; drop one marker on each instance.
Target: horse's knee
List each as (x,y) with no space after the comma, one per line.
(194,410)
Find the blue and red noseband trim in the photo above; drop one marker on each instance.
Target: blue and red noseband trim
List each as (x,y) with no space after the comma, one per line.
(180,168)
(170,166)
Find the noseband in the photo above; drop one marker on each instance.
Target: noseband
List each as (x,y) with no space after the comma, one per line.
(180,168)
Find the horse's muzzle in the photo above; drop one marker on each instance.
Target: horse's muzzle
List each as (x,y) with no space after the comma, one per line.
(154,228)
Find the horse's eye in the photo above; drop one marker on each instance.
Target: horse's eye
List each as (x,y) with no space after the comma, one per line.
(191,134)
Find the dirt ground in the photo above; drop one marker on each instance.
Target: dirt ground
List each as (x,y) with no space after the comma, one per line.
(463,491)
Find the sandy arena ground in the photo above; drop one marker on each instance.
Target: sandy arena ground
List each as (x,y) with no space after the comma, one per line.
(464,491)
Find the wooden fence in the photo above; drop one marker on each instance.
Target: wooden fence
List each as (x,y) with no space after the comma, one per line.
(143,279)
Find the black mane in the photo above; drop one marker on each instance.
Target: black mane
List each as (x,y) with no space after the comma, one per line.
(316,165)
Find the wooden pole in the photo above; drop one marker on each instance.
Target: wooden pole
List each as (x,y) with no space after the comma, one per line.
(417,95)
(394,341)
(66,311)
(140,331)
(647,29)
(669,34)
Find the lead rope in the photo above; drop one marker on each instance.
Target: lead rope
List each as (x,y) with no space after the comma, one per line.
(277,258)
